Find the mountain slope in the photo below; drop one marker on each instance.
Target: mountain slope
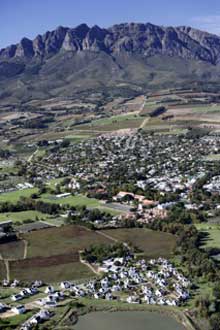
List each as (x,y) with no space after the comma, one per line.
(138,56)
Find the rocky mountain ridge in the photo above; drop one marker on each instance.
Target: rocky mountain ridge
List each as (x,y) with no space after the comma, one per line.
(145,39)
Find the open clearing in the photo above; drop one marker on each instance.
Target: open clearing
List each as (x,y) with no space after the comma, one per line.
(213,234)
(14,196)
(78,200)
(23,216)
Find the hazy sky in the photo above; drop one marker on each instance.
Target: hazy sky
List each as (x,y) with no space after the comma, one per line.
(19,18)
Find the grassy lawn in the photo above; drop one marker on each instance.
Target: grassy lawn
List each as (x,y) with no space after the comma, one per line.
(78,200)
(173,131)
(23,215)
(154,244)
(212,157)
(15,321)
(14,196)
(213,232)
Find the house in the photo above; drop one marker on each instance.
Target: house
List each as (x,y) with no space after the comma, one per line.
(5,283)
(40,317)
(49,289)
(133,300)
(16,297)
(64,195)
(3,308)
(65,285)
(6,224)
(15,283)
(19,309)
(37,284)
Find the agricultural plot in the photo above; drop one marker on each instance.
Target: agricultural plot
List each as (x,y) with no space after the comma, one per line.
(113,123)
(12,250)
(2,269)
(52,254)
(154,244)
(64,240)
(49,270)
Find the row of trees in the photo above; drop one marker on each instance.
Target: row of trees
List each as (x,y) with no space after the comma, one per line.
(98,253)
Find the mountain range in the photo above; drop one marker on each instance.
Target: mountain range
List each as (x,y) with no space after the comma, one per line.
(130,56)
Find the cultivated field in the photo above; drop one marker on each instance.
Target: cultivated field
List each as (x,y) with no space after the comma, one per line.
(113,123)
(49,269)
(63,240)
(52,254)
(154,244)
(12,250)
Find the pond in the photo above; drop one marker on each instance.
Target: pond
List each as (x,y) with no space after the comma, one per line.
(127,321)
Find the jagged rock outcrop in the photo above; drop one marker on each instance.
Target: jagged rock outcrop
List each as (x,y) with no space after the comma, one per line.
(146,39)
(125,57)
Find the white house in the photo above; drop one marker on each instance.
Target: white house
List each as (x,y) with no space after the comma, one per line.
(19,309)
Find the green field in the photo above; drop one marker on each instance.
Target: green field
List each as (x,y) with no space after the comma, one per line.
(213,232)
(23,215)
(113,123)
(15,321)
(77,200)
(14,196)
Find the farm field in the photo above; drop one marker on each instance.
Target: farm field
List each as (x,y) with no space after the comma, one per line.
(30,269)
(12,250)
(53,254)
(127,321)
(154,244)
(64,240)
(113,123)
(2,269)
